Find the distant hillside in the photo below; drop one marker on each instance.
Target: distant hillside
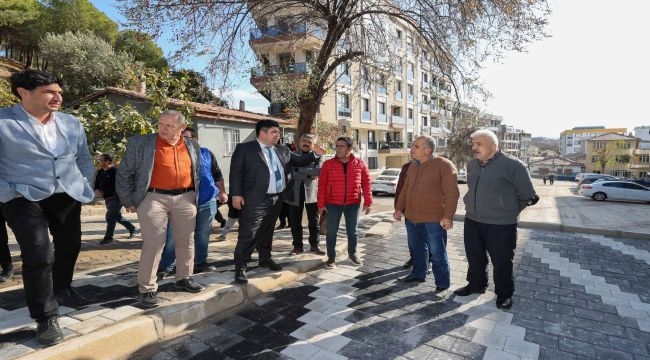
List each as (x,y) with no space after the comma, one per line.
(545,143)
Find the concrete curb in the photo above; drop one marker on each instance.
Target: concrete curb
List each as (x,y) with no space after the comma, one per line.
(125,337)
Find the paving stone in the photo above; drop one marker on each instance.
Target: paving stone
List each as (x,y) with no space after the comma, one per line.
(521,348)
(576,347)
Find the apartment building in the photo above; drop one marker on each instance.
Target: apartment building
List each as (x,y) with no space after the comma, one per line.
(615,151)
(573,141)
(640,165)
(383,110)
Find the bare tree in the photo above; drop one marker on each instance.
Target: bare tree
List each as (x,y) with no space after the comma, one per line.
(458,36)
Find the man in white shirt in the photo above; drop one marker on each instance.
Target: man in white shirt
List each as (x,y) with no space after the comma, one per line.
(44,170)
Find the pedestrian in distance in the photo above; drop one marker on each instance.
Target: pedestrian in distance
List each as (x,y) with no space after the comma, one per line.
(211,191)
(499,188)
(343,180)
(551,179)
(301,195)
(159,179)
(544,179)
(105,188)
(428,202)
(45,169)
(259,172)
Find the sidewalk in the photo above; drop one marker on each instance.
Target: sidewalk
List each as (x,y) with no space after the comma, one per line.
(113,326)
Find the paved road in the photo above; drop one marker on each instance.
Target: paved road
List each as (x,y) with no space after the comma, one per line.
(577,297)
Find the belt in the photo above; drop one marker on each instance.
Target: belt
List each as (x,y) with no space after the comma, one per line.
(273,195)
(170,191)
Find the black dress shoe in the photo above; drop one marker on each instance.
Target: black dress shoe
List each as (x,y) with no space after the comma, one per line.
(440,289)
(410,279)
(70,297)
(7,273)
(204,267)
(272,265)
(504,304)
(240,276)
(466,290)
(48,332)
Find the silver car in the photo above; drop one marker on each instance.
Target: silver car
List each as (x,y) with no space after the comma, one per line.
(615,190)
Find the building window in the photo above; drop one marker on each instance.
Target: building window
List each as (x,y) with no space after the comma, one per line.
(435,122)
(594,158)
(372,163)
(344,105)
(366,104)
(231,139)
(643,174)
(644,158)
(623,145)
(599,145)
(623,158)
(425,121)
(410,114)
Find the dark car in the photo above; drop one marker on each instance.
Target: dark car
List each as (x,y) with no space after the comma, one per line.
(643,182)
(593,179)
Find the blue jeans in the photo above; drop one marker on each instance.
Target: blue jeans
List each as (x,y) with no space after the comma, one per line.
(204,215)
(351,213)
(114,216)
(428,239)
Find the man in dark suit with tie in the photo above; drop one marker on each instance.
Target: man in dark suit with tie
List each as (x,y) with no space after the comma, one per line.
(259,172)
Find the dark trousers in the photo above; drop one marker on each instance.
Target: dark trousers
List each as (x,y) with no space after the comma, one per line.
(5,255)
(284,214)
(499,241)
(45,269)
(295,218)
(114,216)
(256,227)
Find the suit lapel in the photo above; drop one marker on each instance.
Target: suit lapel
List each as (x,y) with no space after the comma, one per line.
(63,129)
(260,153)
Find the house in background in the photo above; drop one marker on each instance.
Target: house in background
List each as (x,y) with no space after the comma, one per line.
(617,152)
(9,66)
(219,129)
(555,165)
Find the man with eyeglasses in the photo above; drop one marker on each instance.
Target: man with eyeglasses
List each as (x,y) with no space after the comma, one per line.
(159,179)
(342,182)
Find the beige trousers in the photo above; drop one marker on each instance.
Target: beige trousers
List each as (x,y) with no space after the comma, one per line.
(153,214)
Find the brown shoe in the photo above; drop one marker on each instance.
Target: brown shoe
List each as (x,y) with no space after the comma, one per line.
(316,250)
(296,251)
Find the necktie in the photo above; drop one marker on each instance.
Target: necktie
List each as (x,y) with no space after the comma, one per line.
(279,184)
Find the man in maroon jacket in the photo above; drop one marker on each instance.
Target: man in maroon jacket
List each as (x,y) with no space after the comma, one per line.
(341,181)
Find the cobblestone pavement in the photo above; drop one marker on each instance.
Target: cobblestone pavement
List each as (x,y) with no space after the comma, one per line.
(577,297)
(106,275)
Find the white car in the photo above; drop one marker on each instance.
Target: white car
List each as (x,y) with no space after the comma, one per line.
(615,190)
(386,182)
(462,176)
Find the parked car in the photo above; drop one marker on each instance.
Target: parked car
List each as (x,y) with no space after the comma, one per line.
(643,182)
(386,182)
(581,176)
(593,179)
(616,190)
(462,176)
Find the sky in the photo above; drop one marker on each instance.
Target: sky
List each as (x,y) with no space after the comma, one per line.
(594,70)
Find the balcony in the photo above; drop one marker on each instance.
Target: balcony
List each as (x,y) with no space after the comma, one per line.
(273,70)
(425,107)
(424,85)
(396,120)
(344,112)
(642,151)
(410,98)
(381,90)
(277,31)
(392,147)
(366,115)
(398,95)
(381,119)
(410,122)
(372,145)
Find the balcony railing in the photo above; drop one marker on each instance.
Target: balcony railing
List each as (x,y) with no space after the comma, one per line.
(425,107)
(381,89)
(397,120)
(410,98)
(398,95)
(372,145)
(272,70)
(281,30)
(366,115)
(381,119)
(391,145)
(343,111)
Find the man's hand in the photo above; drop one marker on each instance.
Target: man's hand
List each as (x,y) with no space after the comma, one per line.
(366,210)
(397,215)
(319,150)
(131,209)
(222,198)
(99,193)
(237,202)
(446,223)
(321,211)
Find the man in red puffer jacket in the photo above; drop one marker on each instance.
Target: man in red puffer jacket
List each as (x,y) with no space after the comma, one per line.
(341,182)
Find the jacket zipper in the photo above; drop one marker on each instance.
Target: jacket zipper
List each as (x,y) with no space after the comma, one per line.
(345,183)
(476,188)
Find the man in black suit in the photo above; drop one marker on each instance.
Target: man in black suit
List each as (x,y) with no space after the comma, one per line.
(259,172)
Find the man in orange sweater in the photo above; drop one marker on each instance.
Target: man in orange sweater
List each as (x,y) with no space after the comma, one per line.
(428,202)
